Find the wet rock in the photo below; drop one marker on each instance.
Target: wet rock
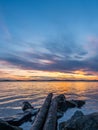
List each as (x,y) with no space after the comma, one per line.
(20,118)
(74,103)
(79,103)
(5,126)
(61,98)
(70,104)
(64,104)
(61,101)
(26,105)
(79,121)
(77,114)
(60,114)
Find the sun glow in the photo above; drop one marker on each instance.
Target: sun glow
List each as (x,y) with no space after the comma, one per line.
(19,74)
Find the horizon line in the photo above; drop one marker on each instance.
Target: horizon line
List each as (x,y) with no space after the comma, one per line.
(8,80)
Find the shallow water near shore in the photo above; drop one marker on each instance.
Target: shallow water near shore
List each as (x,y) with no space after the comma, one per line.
(12,94)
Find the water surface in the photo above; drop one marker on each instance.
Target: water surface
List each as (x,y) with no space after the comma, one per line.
(12,94)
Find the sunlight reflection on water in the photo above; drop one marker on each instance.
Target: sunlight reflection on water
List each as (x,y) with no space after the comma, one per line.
(12,94)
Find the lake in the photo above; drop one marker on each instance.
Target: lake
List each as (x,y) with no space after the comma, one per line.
(12,94)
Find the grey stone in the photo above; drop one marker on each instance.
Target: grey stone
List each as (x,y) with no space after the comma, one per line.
(5,126)
(20,118)
(26,105)
(79,121)
(79,103)
(61,101)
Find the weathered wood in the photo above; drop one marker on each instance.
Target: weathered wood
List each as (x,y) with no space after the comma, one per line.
(41,116)
(51,121)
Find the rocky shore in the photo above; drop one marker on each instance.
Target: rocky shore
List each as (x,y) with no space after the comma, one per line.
(79,121)
(47,116)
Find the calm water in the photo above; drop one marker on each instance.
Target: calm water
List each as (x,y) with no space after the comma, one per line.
(12,94)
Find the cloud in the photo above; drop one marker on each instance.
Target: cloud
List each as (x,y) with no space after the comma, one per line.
(61,54)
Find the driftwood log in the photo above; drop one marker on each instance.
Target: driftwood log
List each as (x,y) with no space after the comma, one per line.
(41,116)
(51,121)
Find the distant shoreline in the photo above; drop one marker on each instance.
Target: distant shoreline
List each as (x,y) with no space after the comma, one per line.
(48,80)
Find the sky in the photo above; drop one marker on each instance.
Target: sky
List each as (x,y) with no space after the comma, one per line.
(48,39)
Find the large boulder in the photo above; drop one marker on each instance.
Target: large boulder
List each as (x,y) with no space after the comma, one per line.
(79,121)
(5,126)
(64,104)
(61,102)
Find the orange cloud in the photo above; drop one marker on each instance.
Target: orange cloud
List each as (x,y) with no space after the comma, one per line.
(8,71)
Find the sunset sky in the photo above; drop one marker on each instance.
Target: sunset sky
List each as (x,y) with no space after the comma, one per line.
(48,39)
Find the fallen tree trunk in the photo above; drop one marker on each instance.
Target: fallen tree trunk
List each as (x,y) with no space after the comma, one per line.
(51,121)
(41,117)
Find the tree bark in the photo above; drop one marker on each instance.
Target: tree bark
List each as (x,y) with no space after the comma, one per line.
(41,116)
(51,121)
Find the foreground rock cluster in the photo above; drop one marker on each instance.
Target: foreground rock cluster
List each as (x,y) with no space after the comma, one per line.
(13,123)
(6,126)
(46,117)
(64,105)
(79,121)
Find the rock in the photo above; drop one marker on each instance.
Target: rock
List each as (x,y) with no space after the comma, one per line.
(61,105)
(79,121)
(79,103)
(20,118)
(61,101)
(75,103)
(77,114)
(26,105)
(64,104)
(70,104)
(60,114)
(5,126)
(61,98)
